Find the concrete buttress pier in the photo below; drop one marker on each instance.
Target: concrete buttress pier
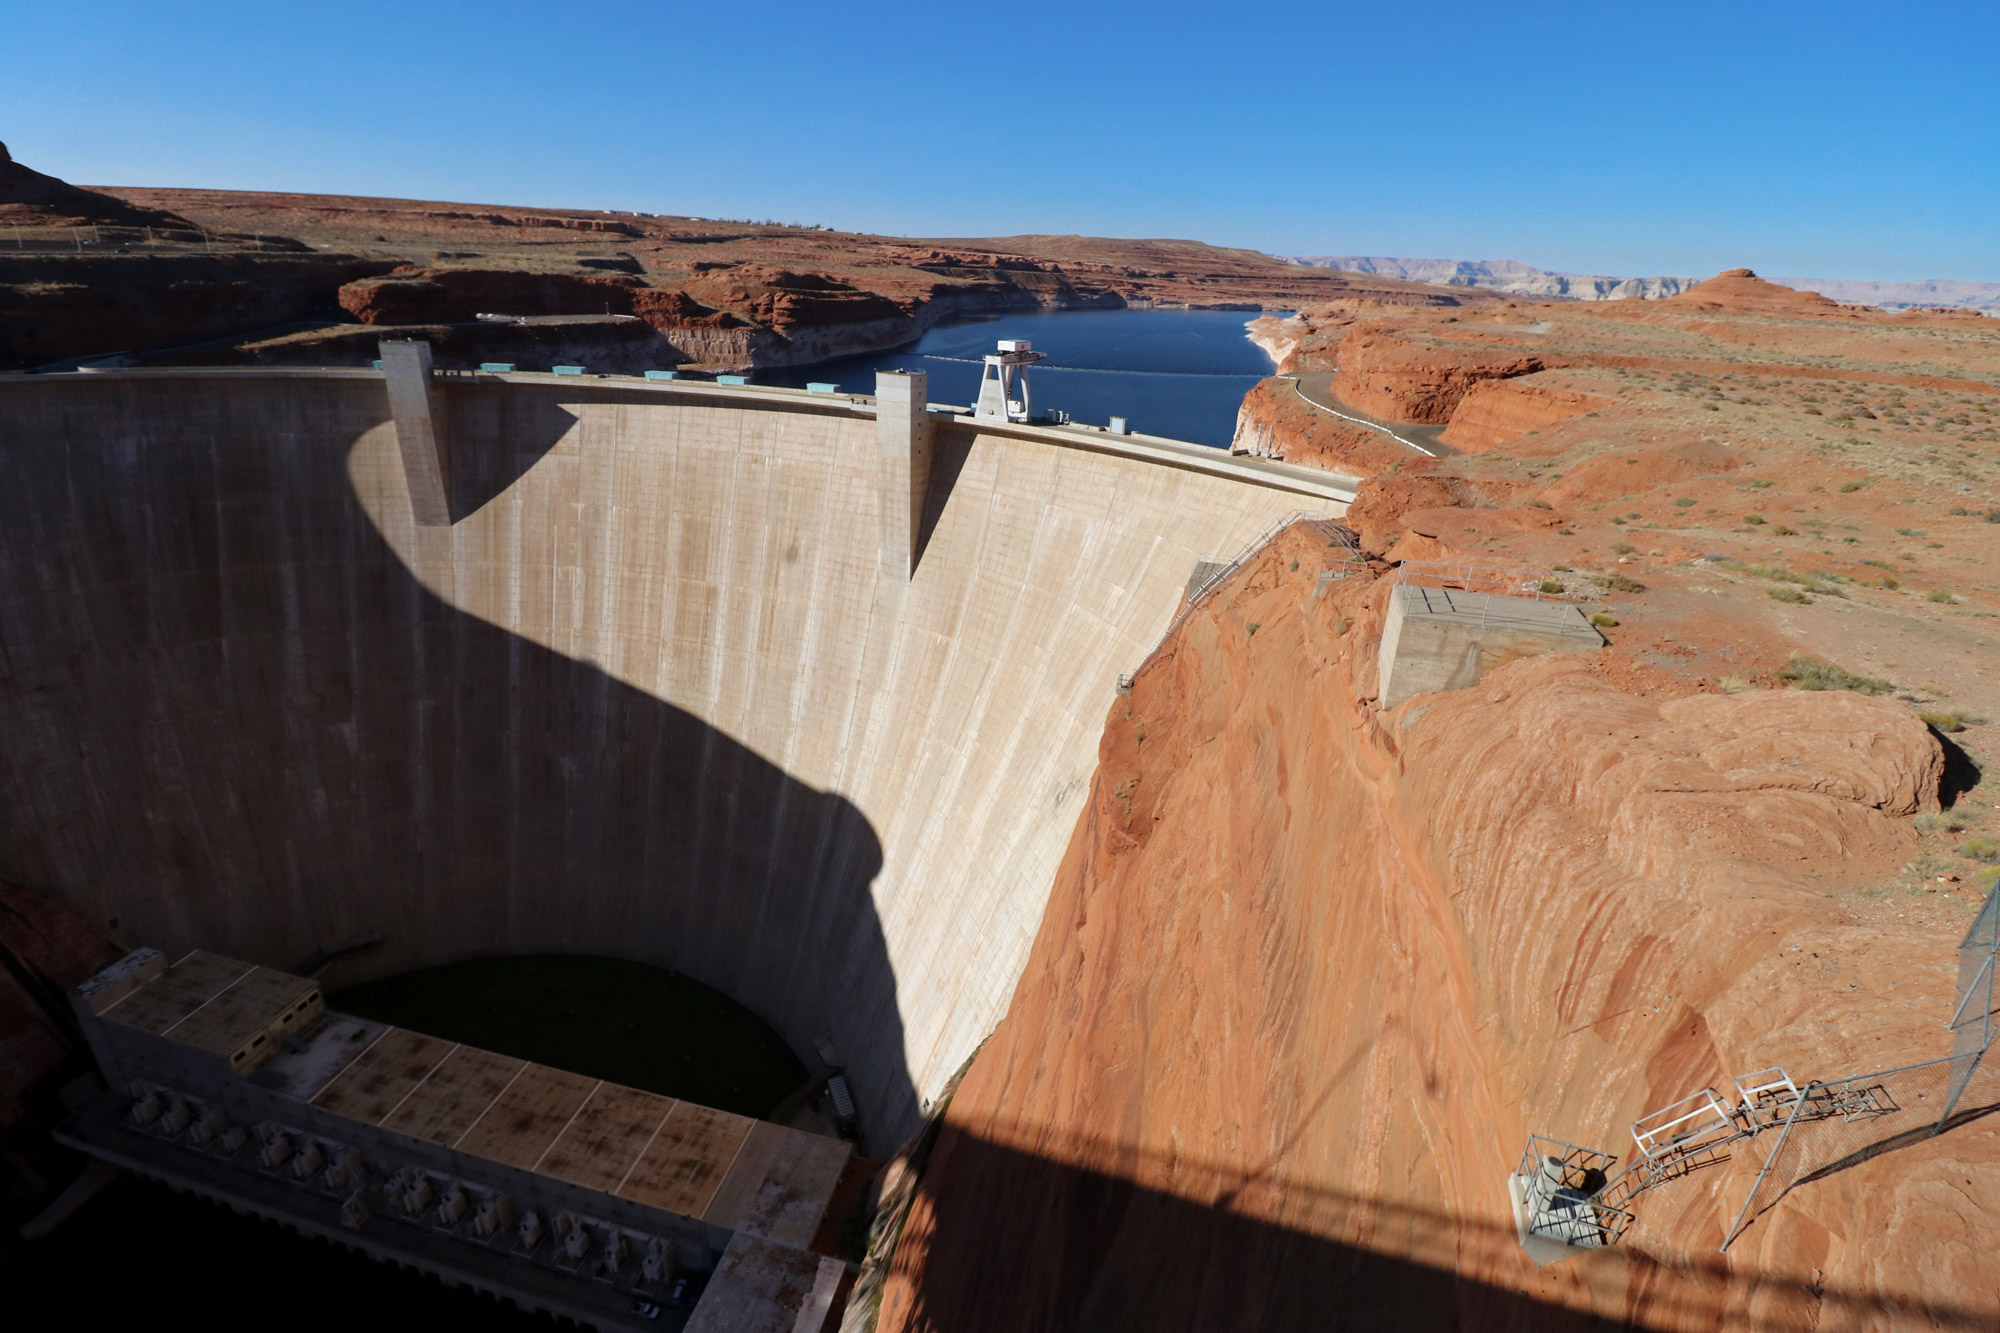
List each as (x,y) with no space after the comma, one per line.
(1439,639)
(668,687)
(903,431)
(420,436)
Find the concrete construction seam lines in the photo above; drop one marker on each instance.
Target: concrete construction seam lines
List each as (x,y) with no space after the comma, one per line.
(647,694)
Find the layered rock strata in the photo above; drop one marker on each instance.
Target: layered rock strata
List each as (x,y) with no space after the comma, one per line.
(1495,411)
(1312,971)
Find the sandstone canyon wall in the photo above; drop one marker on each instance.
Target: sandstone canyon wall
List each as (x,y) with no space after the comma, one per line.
(45,950)
(1311,971)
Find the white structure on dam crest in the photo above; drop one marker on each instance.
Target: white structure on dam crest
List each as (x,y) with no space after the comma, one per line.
(797,694)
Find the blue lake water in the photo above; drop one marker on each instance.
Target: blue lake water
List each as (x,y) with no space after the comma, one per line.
(1178,373)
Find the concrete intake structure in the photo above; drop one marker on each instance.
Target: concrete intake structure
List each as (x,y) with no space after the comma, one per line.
(1449,638)
(654,692)
(563,1193)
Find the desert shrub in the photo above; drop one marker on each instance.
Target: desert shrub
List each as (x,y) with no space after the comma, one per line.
(1603,621)
(1754,520)
(1809,673)
(1256,625)
(1908,532)
(1551,585)
(1735,685)
(1622,548)
(1942,721)
(1939,595)
(1980,849)
(1958,511)
(1685,502)
(1939,821)
(1822,585)
(1619,583)
(1850,487)
(1792,595)
(1560,569)
(1783,531)
(1993,516)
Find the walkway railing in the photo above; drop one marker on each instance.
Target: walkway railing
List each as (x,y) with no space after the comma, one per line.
(1339,539)
(1502,580)
(1824,1128)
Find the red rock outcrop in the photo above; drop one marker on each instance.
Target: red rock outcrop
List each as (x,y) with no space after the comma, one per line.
(785,301)
(1400,378)
(1494,412)
(1381,501)
(455,295)
(45,950)
(1311,972)
(1740,290)
(1274,417)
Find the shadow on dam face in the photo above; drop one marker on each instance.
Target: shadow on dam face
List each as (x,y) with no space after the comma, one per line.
(1018,1240)
(231,718)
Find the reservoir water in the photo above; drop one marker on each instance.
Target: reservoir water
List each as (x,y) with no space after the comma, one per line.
(1178,373)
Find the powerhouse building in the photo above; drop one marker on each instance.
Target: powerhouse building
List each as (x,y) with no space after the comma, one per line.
(560,1192)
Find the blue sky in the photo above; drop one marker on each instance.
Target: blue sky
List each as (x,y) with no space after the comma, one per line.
(1822,140)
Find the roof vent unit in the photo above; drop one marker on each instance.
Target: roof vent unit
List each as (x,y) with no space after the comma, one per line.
(494,1212)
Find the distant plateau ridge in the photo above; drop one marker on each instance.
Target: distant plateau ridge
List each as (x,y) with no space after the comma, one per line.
(1516,278)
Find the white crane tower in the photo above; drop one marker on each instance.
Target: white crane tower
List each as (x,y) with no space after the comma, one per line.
(1004,369)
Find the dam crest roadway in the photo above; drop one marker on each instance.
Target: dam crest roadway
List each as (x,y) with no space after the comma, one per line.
(796,693)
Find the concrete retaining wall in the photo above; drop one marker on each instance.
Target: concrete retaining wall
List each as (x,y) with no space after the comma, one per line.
(648,695)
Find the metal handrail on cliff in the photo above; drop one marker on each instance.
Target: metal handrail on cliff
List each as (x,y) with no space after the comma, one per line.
(1824,1127)
(1487,581)
(1335,534)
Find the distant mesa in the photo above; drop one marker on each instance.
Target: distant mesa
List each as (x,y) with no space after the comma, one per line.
(1504,275)
(1518,279)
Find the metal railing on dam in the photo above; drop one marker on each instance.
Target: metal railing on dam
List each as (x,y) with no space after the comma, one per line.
(1158,449)
(648,693)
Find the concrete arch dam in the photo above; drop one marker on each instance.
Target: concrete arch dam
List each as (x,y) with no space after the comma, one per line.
(703,677)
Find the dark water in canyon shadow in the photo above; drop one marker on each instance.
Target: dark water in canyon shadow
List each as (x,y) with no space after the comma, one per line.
(627,1023)
(1177,373)
(230,709)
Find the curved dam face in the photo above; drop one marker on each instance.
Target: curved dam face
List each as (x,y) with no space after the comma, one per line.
(648,695)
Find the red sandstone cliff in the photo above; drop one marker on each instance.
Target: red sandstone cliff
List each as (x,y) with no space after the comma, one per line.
(45,950)
(1274,415)
(1310,973)
(1397,377)
(1493,412)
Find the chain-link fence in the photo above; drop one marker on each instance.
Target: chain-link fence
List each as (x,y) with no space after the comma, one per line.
(1841,1124)
(1972,1026)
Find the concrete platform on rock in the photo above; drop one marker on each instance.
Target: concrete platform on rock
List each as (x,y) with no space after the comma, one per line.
(1438,639)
